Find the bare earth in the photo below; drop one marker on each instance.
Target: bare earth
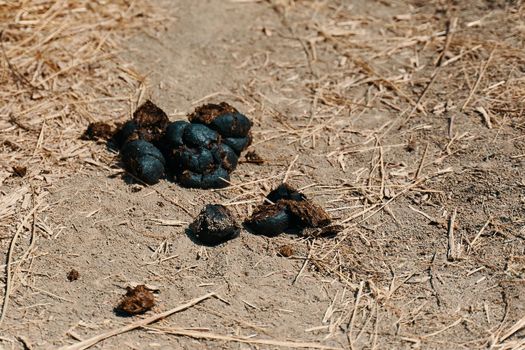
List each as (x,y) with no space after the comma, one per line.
(418,151)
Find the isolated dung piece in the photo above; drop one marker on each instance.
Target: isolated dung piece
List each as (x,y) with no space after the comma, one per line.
(289,209)
(136,301)
(143,160)
(286,251)
(73,275)
(215,224)
(98,131)
(19,170)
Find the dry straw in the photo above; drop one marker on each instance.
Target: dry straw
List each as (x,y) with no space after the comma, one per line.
(59,70)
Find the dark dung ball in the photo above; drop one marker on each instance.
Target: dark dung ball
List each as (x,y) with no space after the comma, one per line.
(126,133)
(174,132)
(269,220)
(149,169)
(225,156)
(199,135)
(214,225)
(199,160)
(143,160)
(190,179)
(238,144)
(219,178)
(233,124)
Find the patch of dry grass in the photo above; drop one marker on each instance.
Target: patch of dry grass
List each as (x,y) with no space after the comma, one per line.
(59,70)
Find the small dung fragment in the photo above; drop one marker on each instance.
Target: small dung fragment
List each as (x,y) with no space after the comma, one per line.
(289,209)
(73,275)
(19,170)
(98,131)
(214,225)
(286,251)
(137,300)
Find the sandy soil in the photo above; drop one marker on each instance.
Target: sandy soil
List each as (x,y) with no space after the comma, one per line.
(417,150)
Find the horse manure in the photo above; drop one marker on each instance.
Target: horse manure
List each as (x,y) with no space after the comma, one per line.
(137,300)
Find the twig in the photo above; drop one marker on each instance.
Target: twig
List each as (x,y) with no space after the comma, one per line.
(432,279)
(209,335)
(450,30)
(354,313)
(287,174)
(406,189)
(9,279)
(515,328)
(304,264)
(141,323)
(421,163)
(452,253)
(480,232)
(480,76)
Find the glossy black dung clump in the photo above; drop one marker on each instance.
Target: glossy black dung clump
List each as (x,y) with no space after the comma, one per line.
(200,154)
(269,220)
(216,179)
(143,160)
(174,132)
(238,144)
(288,209)
(214,225)
(205,151)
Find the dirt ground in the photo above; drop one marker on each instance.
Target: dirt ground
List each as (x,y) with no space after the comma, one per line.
(403,118)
